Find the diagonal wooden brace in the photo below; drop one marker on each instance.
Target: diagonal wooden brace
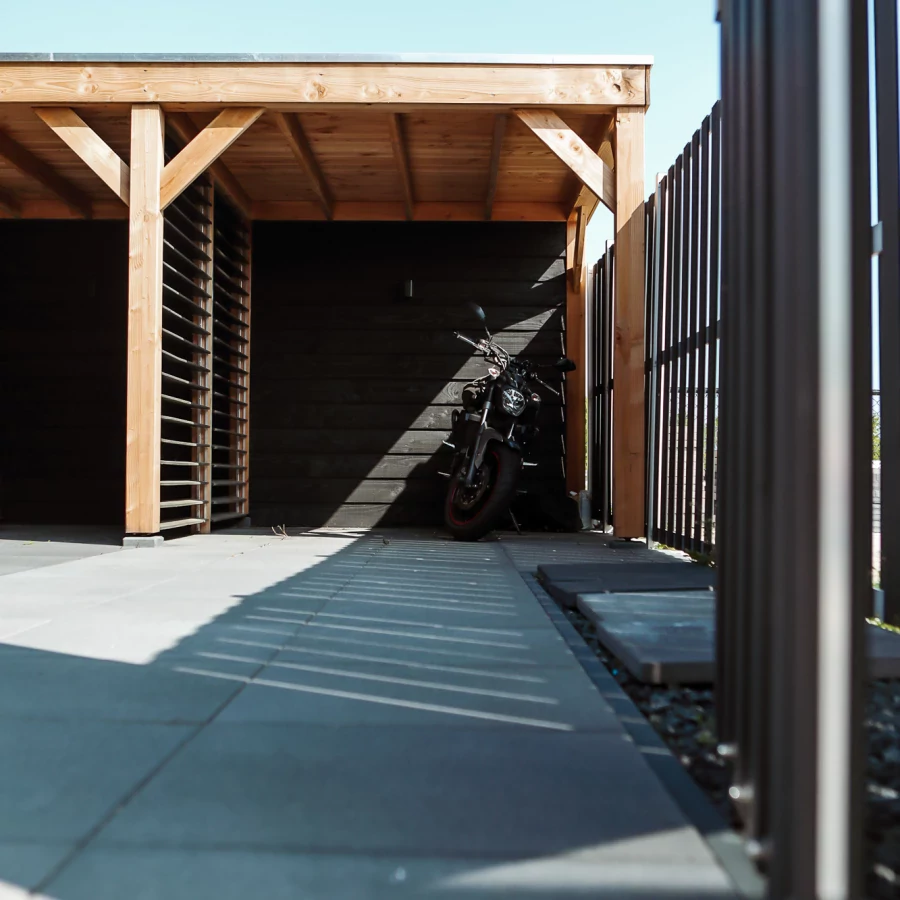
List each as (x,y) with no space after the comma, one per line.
(204,150)
(589,168)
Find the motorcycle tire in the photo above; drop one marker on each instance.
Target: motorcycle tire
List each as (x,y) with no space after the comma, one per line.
(504,467)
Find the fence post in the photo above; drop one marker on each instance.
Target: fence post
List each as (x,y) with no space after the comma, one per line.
(887,99)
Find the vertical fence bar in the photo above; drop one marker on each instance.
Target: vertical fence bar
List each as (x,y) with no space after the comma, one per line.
(887,100)
(654,327)
(674,360)
(712,411)
(701,461)
(666,361)
(682,342)
(662,263)
(649,253)
(691,348)
(726,665)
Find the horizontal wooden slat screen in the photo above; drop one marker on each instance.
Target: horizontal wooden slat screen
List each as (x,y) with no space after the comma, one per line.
(231,366)
(187,358)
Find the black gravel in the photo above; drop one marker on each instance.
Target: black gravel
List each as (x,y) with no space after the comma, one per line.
(684,716)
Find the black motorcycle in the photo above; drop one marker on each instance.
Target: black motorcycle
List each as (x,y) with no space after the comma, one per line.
(490,433)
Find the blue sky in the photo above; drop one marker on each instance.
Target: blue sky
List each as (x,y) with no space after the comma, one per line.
(682,37)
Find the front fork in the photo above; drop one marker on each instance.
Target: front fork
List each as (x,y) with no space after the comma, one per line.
(482,426)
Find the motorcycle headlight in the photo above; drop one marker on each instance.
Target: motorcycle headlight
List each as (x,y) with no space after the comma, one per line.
(512,401)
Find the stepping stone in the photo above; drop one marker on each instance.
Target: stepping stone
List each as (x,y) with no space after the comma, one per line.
(566,582)
(661,637)
(669,637)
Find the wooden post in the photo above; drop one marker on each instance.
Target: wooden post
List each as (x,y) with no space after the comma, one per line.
(628,360)
(145,252)
(575,350)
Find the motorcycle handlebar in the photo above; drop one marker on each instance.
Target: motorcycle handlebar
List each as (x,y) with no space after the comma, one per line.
(462,337)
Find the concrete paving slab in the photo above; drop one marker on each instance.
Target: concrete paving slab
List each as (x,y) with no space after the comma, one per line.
(27,547)
(566,582)
(400,647)
(661,637)
(295,689)
(58,779)
(111,874)
(398,789)
(24,866)
(669,637)
(35,685)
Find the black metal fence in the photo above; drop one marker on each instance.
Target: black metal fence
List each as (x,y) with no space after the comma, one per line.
(601,332)
(682,291)
(682,316)
(767,447)
(795,481)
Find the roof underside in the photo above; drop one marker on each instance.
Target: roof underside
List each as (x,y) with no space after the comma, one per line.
(449,109)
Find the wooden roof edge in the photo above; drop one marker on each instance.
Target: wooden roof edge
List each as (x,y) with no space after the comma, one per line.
(460,59)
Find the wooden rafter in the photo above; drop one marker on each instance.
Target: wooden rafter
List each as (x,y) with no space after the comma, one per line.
(494,170)
(204,150)
(101,159)
(401,157)
(182,125)
(400,86)
(573,151)
(290,127)
(388,211)
(33,167)
(9,205)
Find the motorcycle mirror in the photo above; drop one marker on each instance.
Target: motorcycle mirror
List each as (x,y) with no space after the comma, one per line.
(477,310)
(564,364)
(480,313)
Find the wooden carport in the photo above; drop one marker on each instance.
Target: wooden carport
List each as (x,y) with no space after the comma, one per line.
(330,139)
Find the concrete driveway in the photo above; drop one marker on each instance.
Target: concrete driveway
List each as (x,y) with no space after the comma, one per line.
(332,715)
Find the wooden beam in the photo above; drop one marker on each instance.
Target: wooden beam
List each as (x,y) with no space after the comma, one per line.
(101,159)
(348,211)
(144,382)
(182,125)
(33,167)
(290,127)
(575,350)
(401,157)
(573,151)
(581,220)
(9,205)
(203,150)
(494,169)
(25,208)
(628,356)
(297,86)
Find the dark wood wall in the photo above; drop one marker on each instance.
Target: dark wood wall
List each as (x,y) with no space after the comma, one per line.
(63,332)
(352,386)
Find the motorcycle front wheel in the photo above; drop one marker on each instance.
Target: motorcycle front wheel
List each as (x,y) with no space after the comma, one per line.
(471,512)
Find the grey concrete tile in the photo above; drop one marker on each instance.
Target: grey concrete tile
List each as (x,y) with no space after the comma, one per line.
(463,792)
(295,689)
(58,779)
(25,865)
(402,647)
(111,874)
(39,685)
